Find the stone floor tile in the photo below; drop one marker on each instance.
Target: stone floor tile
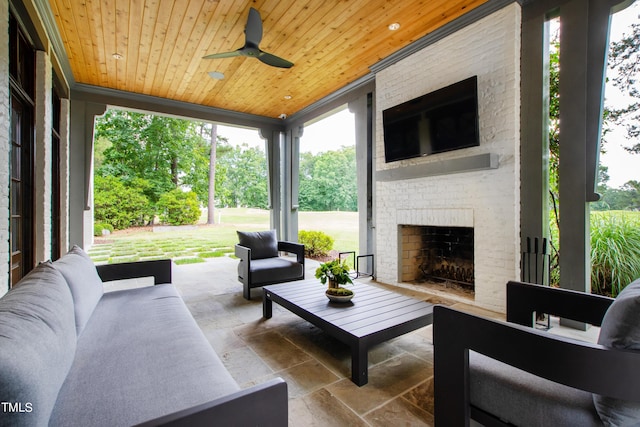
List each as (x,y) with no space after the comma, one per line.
(244,365)
(387,380)
(421,396)
(321,409)
(276,351)
(306,378)
(398,413)
(222,340)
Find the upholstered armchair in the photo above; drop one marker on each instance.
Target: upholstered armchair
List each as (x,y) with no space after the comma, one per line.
(261,263)
(508,373)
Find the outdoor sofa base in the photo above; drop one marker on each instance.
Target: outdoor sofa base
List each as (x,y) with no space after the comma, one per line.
(82,357)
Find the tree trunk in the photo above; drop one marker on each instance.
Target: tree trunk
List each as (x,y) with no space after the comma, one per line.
(174,171)
(212,174)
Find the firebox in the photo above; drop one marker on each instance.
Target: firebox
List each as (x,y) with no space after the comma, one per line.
(435,253)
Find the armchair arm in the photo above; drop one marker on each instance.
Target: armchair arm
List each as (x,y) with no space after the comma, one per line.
(244,253)
(294,248)
(523,299)
(262,405)
(160,270)
(574,363)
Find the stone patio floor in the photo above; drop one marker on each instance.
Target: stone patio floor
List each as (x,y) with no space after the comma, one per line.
(315,366)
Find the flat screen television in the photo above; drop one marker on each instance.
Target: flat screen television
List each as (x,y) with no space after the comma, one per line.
(443,120)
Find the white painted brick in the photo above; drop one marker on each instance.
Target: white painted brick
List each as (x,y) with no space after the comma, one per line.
(5,146)
(42,167)
(487,200)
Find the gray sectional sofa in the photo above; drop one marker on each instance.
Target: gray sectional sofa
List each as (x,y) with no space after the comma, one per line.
(73,355)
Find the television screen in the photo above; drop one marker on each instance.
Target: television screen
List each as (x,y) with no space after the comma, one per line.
(444,120)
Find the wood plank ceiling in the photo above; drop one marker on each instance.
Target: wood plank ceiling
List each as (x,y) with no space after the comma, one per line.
(160,45)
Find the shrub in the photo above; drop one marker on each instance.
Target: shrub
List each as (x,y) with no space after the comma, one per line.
(99,227)
(179,208)
(119,205)
(316,243)
(615,252)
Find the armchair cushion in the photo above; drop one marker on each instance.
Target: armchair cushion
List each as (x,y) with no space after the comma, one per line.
(263,244)
(621,329)
(277,269)
(530,398)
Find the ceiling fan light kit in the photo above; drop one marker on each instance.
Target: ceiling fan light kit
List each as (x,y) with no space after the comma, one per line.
(251,48)
(216,75)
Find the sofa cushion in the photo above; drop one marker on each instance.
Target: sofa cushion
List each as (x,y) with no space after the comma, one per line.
(37,345)
(141,356)
(263,244)
(84,282)
(621,329)
(524,399)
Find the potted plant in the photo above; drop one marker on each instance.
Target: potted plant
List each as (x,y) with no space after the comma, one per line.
(336,273)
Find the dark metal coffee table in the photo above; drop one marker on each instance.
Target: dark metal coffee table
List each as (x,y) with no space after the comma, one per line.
(374,315)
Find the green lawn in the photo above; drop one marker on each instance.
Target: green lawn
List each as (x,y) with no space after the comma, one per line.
(194,244)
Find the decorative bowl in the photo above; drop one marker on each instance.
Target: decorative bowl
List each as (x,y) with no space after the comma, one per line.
(339,298)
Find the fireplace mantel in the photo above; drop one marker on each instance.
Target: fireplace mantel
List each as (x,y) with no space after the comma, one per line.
(442,167)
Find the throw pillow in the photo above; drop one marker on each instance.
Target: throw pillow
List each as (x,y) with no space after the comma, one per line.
(84,282)
(263,244)
(621,329)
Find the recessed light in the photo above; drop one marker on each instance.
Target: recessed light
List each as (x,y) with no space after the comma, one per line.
(117,56)
(216,75)
(395,26)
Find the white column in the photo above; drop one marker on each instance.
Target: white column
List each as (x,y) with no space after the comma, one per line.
(42,158)
(64,175)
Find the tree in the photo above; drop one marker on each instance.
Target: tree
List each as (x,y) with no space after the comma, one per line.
(212,175)
(167,152)
(624,62)
(328,181)
(245,177)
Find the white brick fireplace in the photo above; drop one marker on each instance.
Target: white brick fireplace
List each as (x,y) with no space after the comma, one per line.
(474,187)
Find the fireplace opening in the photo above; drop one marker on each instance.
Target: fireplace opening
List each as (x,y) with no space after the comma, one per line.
(434,254)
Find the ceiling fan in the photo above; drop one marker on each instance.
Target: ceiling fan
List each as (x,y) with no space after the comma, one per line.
(253,36)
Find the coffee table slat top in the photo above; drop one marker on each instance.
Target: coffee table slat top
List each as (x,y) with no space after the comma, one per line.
(372,309)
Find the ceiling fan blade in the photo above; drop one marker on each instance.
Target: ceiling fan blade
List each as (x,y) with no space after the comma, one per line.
(274,61)
(253,30)
(224,55)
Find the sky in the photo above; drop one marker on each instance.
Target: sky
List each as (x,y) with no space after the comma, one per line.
(337,130)
(328,134)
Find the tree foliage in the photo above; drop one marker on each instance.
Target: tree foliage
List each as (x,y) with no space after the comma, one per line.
(241,178)
(316,243)
(615,244)
(166,152)
(155,158)
(120,205)
(328,181)
(624,62)
(179,207)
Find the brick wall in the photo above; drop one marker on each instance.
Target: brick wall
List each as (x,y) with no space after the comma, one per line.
(5,145)
(487,200)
